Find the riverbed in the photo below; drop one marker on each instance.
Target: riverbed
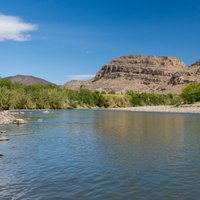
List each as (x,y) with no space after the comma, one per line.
(101,154)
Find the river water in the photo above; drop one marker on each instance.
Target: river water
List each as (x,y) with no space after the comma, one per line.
(104,155)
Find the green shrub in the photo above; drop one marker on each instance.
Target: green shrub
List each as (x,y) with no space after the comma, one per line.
(191,93)
(139,99)
(18,96)
(6,83)
(136,99)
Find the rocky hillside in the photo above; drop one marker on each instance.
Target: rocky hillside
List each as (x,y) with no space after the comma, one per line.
(196,64)
(140,73)
(75,84)
(28,80)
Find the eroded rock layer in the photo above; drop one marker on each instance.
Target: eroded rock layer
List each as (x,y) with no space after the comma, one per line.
(140,73)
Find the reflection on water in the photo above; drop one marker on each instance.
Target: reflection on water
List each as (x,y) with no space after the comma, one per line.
(102,155)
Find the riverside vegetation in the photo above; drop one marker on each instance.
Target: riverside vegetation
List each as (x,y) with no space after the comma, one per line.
(19,96)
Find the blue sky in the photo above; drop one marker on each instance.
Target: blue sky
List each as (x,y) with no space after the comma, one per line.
(59,40)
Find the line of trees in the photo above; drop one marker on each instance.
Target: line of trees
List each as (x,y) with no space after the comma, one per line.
(19,96)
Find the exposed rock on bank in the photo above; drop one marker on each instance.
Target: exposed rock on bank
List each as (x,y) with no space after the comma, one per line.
(158,74)
(161,109)
(6,117)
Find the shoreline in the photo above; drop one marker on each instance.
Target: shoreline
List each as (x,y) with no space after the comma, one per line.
(161,109)
(185,108)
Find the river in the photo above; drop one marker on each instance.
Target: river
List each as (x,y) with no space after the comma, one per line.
(104,155)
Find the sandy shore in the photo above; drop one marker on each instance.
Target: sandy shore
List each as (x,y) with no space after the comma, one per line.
(168,109)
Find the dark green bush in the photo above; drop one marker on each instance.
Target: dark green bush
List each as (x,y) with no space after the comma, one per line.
(136,99)
(6,83)
(191,93)
(139,99)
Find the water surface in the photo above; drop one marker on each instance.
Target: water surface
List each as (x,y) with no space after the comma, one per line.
(104,155)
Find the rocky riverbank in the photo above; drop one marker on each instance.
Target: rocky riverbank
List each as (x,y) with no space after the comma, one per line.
(6,117)
(167,109)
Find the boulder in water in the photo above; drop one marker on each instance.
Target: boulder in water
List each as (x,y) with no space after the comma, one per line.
(2,139)
(19,121)
(46,112)
(2,131)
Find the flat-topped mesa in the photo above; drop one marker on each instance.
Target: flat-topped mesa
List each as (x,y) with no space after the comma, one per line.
(138,73)
(132,65)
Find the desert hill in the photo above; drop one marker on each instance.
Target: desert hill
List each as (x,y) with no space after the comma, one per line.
(28,80)
(159,74)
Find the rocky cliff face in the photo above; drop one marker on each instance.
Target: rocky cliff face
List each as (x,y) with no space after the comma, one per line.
(137,65)
(196,64)
(140,73)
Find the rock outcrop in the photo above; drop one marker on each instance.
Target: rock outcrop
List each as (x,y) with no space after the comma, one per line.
(196,64)
(140,73)
(3,139)
(74,84)
(135,66)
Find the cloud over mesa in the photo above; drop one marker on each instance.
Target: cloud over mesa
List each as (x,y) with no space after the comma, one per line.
(15,29)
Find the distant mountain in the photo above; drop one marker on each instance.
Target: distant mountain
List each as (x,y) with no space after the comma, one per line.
(28,80)
(158,74)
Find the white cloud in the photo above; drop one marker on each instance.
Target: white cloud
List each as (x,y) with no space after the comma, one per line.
(80,77)
(14,28)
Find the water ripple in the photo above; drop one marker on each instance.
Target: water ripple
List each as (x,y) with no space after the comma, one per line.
(101,155)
